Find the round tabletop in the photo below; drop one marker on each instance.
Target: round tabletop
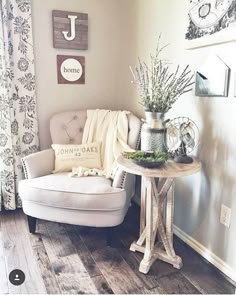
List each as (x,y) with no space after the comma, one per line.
(169,169)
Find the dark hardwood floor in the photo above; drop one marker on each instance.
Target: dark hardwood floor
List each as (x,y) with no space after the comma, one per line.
(67,259)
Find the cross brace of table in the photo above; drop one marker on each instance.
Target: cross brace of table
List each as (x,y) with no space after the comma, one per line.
(156,223)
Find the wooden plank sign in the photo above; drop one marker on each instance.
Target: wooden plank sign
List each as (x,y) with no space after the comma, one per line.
(70,30)
(70,69)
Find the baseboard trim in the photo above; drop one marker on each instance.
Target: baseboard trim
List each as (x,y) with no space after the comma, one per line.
(204,252)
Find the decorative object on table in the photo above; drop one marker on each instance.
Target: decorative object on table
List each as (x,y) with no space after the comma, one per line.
(212,78)
(151,159)
(153,132)
(210,22)
(70,69)
(182,136)
(70,30)
(159,89)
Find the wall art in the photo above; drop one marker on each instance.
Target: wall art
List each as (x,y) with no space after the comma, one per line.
(212,78)
(210,22)
(70,30)
(70,69)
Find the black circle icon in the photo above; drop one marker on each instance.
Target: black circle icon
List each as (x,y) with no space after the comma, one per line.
(17,277)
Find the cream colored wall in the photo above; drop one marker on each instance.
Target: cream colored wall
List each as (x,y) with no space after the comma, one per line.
(198,197)
(119,32)
(107,22)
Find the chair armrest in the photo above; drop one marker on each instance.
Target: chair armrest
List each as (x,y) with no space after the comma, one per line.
(39,164)
(124,180)
(119,178)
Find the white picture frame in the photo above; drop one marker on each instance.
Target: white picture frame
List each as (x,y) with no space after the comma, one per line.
(213,20)
(224,36)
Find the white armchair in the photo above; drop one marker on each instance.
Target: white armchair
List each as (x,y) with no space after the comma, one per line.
(89,201)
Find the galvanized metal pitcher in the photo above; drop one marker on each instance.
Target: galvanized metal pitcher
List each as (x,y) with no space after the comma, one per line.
(153,132)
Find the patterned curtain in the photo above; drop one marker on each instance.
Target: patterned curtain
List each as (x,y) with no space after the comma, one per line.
(18,118)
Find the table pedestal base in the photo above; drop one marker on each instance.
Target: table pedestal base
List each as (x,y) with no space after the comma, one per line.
(156,223)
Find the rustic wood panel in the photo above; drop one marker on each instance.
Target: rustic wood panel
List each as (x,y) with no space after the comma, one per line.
(82,251)
(116,271)
(19,254)
(102,285)
(3,270)
(179,284)
(61,23)
(84,254)
(158,269)
(71,274)
(65,253)
(44,264)
(150,280)
(200,273)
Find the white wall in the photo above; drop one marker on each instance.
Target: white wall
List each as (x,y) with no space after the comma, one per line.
(198,197)
(107,22)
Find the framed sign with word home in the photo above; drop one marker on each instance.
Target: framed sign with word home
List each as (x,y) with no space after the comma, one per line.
(70,69)
(70,30)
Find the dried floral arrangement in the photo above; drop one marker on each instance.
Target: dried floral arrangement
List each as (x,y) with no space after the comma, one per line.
(159,87)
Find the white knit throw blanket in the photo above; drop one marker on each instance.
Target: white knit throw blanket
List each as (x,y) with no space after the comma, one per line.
(110,129)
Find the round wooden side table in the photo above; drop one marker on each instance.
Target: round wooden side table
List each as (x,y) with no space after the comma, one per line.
(157,210)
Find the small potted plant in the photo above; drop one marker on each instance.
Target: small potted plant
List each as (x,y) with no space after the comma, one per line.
(159,88)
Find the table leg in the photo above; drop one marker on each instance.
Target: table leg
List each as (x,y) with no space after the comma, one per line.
(157,219)
(143,205)
(165,223)
(150,239)
(135,246)
(169,226)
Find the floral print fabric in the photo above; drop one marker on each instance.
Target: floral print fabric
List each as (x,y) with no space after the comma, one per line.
(18,117)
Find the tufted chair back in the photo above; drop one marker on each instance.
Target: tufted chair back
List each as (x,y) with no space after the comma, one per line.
(67,128)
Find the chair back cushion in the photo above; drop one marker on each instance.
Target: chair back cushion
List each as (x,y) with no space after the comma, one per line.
(68,127)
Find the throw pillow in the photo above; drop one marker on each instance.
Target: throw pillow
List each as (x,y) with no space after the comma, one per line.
(69,156)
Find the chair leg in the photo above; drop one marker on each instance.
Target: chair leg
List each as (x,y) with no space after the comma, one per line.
(32,224)
(110,236)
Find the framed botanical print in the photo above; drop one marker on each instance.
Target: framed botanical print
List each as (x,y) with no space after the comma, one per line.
(210,22)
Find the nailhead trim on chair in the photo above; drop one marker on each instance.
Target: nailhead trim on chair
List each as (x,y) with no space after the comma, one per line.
(123,179)
(136,147)
(24,168)
(139,136)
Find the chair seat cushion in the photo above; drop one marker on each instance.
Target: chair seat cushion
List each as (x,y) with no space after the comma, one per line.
(84,193)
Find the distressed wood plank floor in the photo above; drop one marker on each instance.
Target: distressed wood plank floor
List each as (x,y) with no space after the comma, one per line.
(68,259)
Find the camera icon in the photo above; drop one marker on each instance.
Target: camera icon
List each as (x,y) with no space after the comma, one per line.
(17,277)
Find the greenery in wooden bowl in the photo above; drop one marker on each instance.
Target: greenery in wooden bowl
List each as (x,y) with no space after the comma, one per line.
(148,159)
